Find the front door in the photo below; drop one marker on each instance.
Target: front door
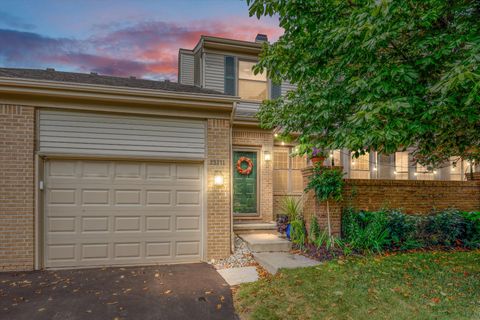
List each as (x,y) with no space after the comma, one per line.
(245,172)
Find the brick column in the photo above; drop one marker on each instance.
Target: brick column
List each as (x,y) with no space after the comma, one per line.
(17,127)
(313,208)
(218,197)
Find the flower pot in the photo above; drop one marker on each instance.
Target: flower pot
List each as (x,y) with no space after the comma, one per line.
(317,160)
(287,231)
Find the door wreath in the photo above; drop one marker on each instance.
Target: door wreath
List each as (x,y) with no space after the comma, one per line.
(249,167)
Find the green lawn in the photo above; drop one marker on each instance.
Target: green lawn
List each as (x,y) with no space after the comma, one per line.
(428,285)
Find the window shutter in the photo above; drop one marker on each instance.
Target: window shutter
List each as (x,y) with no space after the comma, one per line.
(230,75)
(276,91)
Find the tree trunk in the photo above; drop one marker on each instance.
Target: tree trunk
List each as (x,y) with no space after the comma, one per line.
(328,221)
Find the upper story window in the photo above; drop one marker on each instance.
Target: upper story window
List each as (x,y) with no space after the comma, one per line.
(250,86)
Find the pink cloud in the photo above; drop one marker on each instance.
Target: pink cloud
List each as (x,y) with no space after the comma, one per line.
(144,49)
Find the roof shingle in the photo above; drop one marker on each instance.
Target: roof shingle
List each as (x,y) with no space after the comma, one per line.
(92,78)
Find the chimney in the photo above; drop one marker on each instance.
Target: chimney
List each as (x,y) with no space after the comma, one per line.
(94,73)
(260,38)
(50,69)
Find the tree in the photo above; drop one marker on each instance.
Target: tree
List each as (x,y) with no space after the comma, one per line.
(383,75)
(327,184)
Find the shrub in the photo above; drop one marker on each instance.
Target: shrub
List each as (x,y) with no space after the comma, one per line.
(402,230)
(291,207)
(315,232)
(444,228)
(298,234)
(366,231)
(471,237)
(376,231)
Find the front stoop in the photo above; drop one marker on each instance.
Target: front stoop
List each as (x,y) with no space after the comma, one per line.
(273,261)
(266,242)
(255,227)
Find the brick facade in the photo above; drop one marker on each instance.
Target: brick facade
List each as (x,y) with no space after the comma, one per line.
(219,234)
(411,196)
(263,141)
(17,129)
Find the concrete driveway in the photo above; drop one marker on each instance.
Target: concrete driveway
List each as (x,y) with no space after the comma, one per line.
(187,291)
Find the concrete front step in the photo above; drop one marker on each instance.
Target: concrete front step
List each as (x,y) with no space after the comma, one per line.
(273,261)
(266,242)
(256,227)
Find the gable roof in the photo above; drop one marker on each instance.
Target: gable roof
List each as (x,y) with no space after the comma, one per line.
(93,78)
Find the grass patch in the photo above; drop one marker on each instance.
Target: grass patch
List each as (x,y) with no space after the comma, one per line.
(420,285)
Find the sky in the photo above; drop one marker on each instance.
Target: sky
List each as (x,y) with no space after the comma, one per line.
(118,37)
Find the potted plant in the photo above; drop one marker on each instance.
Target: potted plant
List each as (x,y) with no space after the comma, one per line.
(317,155)
(290,209)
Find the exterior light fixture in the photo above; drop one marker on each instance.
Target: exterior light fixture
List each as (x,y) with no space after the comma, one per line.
(283,143)
(218,179)
(415,174)
(395,172)
(434,171)
(375,168)
(267,156)
(275,135)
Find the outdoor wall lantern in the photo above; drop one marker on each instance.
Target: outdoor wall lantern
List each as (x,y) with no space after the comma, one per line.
(218,179)
(267,156)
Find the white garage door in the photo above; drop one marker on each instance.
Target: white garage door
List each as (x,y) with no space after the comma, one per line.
(119,213)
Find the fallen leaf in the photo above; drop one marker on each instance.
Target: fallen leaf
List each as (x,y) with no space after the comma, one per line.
(219,306)
(168,291)
(41,309)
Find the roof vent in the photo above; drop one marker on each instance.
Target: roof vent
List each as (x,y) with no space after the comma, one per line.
(133,77)
(261,38)
(50,69)
(94,73)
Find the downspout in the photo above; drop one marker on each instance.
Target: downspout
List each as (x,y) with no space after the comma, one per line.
(232,237)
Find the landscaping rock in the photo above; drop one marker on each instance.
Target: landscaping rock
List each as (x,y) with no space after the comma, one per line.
(242,257)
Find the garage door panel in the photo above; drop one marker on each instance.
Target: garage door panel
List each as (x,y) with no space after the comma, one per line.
(107,213)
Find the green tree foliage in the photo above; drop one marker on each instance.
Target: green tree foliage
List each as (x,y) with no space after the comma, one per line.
(327,184)
(381,75)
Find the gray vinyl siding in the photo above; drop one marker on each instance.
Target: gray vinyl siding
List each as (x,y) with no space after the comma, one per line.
(196,69)
(186,69)
(66,132)
(215,72)
(287,86)
(246,109)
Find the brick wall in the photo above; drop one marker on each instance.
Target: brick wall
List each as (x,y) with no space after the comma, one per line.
(218,197)
(17,127)
(412,196)
(263,140)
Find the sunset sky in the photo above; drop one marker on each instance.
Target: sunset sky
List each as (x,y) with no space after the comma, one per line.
(118,37)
